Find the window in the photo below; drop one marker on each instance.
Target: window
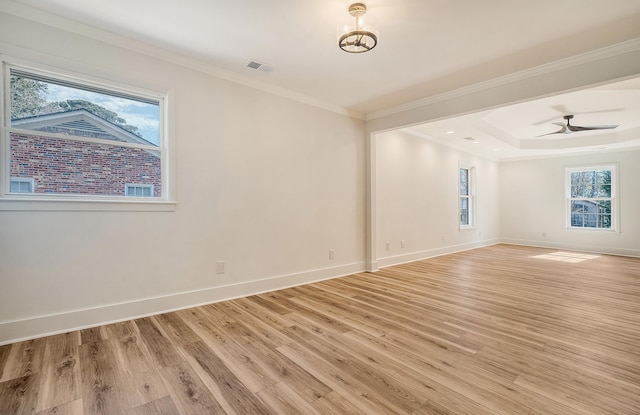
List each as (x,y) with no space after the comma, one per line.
(139,190)
(466,200)
(590,193)
(21,185)
(80,139)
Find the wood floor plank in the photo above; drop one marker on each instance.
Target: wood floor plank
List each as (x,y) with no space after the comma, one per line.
(176,329)
(4,356)
(19,395)
(279,367)
(188,392)
(351,389)
(92,334)
(281,399)
(500,330)
(101,393)
(236,358)
(69,408)
(233,391)
(393,394)
(60,376)
(156,342)
(24,359)
(335,404)
(137,373)
(162,406)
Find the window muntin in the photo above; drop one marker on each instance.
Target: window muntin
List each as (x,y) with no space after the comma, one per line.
(591,197)
(138,190)
(466,197)
(21,185)
(78,139)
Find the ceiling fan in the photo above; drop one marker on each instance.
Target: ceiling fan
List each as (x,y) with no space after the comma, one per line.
(568,128)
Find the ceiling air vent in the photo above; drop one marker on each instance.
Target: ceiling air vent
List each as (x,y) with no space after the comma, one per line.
(253,64)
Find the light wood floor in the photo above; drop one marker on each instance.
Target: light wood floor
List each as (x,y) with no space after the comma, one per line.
(498,330)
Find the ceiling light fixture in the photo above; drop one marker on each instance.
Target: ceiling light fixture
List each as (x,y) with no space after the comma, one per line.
(361,36)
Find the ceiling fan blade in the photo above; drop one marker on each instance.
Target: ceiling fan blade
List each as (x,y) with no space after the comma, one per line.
(564,110)
(563,130)
(593,127)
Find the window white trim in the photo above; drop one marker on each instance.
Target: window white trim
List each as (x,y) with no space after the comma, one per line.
(470,197)
(41,201)
(615,217)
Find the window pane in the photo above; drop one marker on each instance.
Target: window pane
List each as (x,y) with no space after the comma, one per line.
(591,184)
(582,184)
(464,189)
(464,182)
(604,206)
(61,166)
(47,105)
(591,214)
(464,175)
(20,185)
(464,211)
(139,190)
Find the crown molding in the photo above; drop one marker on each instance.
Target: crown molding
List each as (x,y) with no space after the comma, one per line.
(82,29)
(617,49)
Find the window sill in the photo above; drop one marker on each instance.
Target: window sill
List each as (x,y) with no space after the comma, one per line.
(464,228)
(9,203)
(571,228)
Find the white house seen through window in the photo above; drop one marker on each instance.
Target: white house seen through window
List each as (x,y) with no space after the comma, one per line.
(591,197)
(79,138)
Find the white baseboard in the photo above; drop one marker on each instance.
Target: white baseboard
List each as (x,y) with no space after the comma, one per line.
(573,247)
(26,329)
(430,253)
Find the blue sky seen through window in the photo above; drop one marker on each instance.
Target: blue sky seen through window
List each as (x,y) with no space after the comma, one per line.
(144,116)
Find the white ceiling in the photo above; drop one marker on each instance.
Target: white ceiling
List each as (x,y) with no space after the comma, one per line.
(426,47)
(514,131)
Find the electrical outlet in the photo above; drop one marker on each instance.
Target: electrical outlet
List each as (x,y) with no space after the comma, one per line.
(332,253)
(388,246)
(402,243)
(220,267)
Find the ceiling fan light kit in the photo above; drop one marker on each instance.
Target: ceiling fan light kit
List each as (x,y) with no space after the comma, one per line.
(568,128)
(359,34)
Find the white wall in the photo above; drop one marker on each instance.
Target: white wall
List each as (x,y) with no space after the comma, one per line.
(532,203)
(265,183)
(416,197)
